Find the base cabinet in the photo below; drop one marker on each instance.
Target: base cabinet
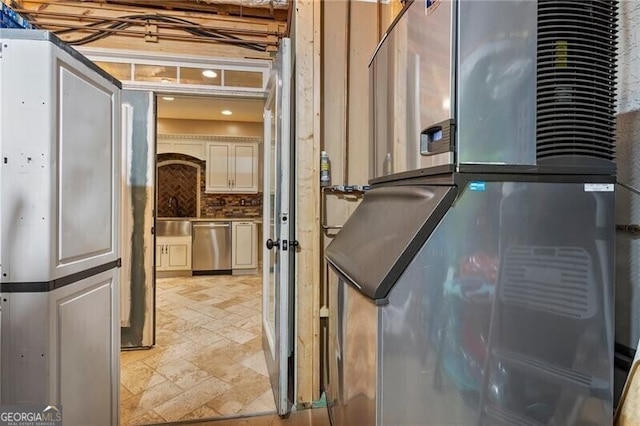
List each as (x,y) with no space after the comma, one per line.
(173,253)
(244,237)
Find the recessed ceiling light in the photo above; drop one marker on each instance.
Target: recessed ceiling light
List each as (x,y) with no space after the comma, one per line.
(226,112)
(210,73)
(165,80)
(168,98)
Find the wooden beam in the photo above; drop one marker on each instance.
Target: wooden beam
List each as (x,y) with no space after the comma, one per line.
(70,5)
(57,17)
(178,48)
(230,9)
(150,33)
(180,6)
(307,49)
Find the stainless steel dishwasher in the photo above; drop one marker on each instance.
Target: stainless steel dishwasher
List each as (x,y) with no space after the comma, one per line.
(211,247)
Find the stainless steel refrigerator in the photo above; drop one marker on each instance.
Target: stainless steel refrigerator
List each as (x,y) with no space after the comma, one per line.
(474,283)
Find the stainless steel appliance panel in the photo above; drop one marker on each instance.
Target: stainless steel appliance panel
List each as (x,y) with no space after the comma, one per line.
(351,384)
(505,316)
(211,246)
(411,75)
(173,228)
(627,242)
(496,93)
(374,240)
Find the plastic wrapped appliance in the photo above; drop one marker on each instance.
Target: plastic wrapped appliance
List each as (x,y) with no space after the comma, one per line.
(59,207)
(485,294)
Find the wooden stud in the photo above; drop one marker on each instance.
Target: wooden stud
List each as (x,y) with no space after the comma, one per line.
(307,51)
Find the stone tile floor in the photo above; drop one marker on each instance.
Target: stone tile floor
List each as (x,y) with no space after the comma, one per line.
(314,417)
(208,359)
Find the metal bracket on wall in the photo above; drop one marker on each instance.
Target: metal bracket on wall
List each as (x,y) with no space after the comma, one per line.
(356,191)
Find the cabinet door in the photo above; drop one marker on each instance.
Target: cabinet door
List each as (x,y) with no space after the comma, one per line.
(160,260)
(218,167)
(178,253)
(244,240)
(245,168)
(179,258)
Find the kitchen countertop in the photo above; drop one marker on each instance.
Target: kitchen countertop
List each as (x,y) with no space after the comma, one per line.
(215,219)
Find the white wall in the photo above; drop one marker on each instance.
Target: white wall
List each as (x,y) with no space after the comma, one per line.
(209,127)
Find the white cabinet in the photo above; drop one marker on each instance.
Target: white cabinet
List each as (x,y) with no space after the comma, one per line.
(244,245)
(192,147)
(232,167)
(173,253)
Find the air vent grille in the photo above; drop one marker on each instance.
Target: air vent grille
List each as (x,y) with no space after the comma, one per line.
(576,78)
(549,279)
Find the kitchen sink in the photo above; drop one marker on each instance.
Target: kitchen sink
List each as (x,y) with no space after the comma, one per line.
(173,228)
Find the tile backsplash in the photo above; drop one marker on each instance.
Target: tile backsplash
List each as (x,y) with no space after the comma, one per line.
(177,190)
(211,205)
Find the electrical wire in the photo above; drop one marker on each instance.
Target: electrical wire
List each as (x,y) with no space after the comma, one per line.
(628,187)
(219,36)
(629,228)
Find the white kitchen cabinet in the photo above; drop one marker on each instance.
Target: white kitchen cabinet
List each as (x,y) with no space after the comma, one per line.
(173,253)
(192,147)
(232,167)
(244,245)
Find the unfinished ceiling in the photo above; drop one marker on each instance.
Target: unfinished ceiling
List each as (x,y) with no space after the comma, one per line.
(251,27)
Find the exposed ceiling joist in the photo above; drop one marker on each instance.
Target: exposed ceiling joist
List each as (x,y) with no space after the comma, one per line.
(258,27)
(169,36)
(48,18)
(188,6)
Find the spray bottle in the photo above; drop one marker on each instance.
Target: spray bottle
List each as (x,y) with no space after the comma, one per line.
(325,169)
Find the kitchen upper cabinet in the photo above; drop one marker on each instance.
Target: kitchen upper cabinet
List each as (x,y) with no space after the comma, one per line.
(244,245)
(232,167)
(192,147)
(173,253)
